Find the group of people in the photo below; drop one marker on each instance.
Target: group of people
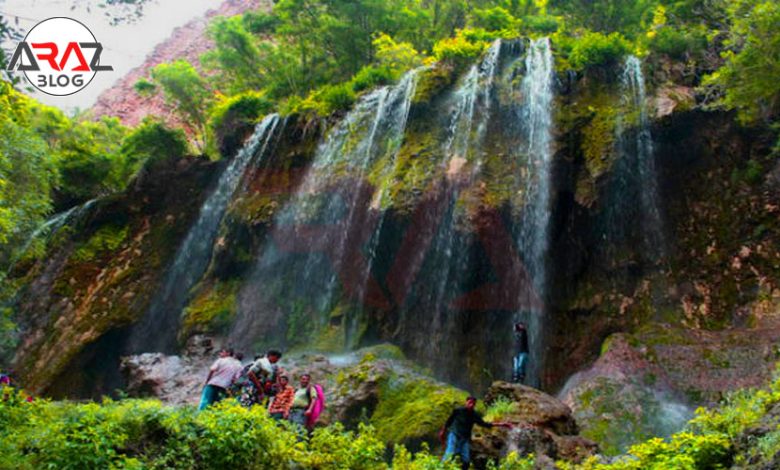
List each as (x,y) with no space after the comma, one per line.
(263,379)
(262,382)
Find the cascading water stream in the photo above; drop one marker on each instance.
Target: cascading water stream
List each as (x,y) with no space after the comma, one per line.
(50,227)
(466,132)
(536,117)
(158,330)
(643,162)
(314,265)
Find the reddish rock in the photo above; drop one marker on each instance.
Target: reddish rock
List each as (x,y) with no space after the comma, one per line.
(186,42)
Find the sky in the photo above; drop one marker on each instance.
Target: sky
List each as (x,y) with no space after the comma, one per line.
(126,45)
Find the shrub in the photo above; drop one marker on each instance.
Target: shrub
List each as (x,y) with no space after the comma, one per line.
(459,50)
(234,116)
(371,76)
(597,49)
(494,19)
(675,42)
(541,24)
(106,240)
(328,99)
(151,142)
(144,87)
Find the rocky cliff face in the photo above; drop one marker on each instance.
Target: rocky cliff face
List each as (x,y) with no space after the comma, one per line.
(433,215)
(187,42)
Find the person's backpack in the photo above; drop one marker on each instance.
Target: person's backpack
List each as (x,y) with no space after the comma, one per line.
(319,405)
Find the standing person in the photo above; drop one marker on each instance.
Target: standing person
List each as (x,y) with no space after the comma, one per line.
(458,428)
(303,402)
(520,359)
(221,375)
(279,408)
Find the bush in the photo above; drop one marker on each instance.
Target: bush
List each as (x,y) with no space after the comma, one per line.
(328,99)
(541,24)
(150,143)
(597,49)
(371,76)
(459,50)
(232,117)
(675,42)
(494,19)
(144,87)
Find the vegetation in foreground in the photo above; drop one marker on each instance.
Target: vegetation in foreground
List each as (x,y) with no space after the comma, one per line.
(743,432)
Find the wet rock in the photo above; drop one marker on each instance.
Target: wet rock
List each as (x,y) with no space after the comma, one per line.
(541,425)
(669,99)
(647,384)
(172,379)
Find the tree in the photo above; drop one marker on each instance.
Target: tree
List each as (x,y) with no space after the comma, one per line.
(749,76)
(185,89)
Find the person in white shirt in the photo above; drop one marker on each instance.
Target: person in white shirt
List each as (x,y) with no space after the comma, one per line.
(221,374)
(264,372)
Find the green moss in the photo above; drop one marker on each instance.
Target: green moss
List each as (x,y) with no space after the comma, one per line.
(255,208)
(106,240)
(598,139)
(413,410)
(403,181)
(431,82)
(212,310)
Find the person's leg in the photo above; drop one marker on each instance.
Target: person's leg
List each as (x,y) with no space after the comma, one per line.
(219,394)
(516,368)
(523,360)
(206,397)
(450,449)
(465,453)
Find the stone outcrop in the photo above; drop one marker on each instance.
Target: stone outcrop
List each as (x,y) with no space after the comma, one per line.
(541,425)
(647,384)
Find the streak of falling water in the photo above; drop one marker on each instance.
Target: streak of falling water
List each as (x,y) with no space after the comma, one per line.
(536,116)
(371,132)
(643,162)
(50,227)
(157,331)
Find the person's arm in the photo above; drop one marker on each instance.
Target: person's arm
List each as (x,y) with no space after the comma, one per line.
(252,374)
(312,399)
(443,431)
(479,421)
(212,369)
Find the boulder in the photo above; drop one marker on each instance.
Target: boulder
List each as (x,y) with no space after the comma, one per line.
(541,425)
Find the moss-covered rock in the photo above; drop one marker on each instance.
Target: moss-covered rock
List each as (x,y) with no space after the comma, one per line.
(212,310)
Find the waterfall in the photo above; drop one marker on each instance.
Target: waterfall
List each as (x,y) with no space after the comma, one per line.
(310,254)
(448,257)
(643,162)
(537,127)
(158,330)
(473,92)
(49,228)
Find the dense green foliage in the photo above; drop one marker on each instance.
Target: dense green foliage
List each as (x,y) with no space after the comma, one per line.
(146,434)
(749,76)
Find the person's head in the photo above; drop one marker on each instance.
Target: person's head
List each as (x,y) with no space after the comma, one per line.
(225,352)
(519,326)
(239,356)
(284,380)
(471,402)
(273,356)
(305,380)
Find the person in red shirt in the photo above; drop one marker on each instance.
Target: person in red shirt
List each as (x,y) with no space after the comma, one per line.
(279,408)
